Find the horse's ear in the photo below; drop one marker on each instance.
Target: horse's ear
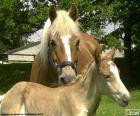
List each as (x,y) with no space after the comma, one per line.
(97,56)
(110,54)
(52,13)
(73,12)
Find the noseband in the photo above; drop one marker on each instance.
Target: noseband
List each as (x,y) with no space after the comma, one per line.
(62,65)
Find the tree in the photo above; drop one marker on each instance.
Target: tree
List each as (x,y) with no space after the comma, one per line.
(127,14)
(13,24)
(18,20)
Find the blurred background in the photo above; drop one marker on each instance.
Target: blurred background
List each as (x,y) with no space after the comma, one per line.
(115,23)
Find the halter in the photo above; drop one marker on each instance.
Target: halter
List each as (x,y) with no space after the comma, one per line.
(62,65)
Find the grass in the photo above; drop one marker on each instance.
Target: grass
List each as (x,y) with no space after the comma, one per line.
(108,107)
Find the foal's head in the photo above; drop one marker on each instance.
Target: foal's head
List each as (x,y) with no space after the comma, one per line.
(110,82)
(63,43)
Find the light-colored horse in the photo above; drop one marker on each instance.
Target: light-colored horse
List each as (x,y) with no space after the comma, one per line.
(65,51)
(79,98)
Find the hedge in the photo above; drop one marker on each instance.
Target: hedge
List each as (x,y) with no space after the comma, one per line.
(130,75)
(13,73)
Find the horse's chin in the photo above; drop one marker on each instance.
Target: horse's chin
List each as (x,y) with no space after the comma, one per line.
(62,83)
(121,102)
(65,79)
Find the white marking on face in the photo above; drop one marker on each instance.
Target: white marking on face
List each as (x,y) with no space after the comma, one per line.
(66,42)
(47,24)
(114,70)
(1,97)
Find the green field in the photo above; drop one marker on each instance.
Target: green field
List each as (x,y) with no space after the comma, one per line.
(110,108)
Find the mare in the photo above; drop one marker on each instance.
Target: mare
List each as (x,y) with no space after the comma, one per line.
(81,97)
(64,51)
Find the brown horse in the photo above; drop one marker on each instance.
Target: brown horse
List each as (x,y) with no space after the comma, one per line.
(65,51)
(79,98)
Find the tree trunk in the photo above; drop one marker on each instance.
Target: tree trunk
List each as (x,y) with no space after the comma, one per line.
(128,51)
(127,45)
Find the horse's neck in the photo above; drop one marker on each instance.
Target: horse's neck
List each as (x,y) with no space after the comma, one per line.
(48,75)
(88,89)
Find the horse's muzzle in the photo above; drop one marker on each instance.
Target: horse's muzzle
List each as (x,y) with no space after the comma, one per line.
(123,99)
(67,75)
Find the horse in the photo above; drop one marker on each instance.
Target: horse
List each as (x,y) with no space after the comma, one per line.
(64,51)
(81,97)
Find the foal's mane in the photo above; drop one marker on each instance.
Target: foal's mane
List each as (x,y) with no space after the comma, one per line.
(90,66)
(62,25)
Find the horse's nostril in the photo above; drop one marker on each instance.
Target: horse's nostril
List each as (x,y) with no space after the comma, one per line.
(125,100)
(62,80)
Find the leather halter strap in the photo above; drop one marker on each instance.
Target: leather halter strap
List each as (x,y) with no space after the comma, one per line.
(66,63)
(62,65)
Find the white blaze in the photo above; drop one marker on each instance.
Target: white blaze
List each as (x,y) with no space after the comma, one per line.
(47,24)
(115,71)
(1,97)
(66,42)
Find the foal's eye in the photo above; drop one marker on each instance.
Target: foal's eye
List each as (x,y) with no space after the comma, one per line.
(77,44)
(53,44)
(107,77)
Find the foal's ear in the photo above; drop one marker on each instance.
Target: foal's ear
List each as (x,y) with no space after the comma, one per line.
(109,55)
(52,13)
(73,12)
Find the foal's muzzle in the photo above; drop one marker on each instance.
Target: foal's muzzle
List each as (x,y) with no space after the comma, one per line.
(122,99)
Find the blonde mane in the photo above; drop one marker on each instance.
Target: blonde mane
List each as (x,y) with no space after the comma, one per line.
(87,71)
(62,25)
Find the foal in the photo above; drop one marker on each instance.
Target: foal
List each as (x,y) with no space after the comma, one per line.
(80,98)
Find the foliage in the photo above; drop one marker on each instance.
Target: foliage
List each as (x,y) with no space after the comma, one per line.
(127,14)
(17,21)
(131,81)
(12,24)
(111,41)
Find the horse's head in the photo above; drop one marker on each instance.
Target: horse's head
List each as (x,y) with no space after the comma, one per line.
(110,83)
(63,52)
(63,43)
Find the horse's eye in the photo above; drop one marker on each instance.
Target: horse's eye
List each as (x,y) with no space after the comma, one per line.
(53,44)
(77,44)
(107,77)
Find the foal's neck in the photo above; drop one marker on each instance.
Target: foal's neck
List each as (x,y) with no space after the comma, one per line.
(87,88)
